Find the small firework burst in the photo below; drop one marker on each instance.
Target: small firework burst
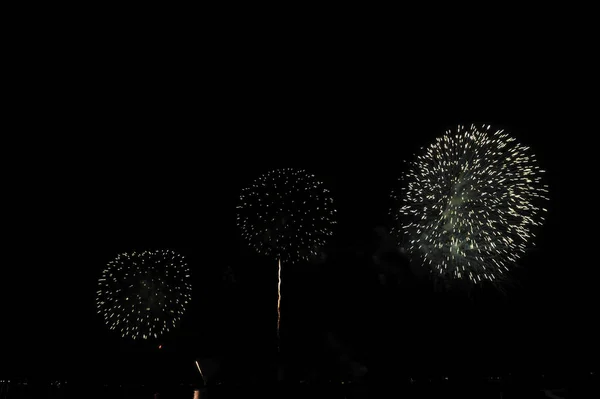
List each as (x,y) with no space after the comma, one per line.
(143,295)
(470,203)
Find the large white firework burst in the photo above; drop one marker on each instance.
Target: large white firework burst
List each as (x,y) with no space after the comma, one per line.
(143,295)
(470,203)
(286,213)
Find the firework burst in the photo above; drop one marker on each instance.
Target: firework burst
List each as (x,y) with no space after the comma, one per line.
(143,295)
(470,203)
(287,214)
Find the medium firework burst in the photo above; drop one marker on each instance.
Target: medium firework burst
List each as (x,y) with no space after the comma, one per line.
(144,294)
(287,214)
(470,203)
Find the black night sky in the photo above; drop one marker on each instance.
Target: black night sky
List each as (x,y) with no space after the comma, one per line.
(122,160)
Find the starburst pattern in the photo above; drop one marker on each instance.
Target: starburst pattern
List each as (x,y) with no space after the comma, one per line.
(470,204)
(286,213)
(143,295)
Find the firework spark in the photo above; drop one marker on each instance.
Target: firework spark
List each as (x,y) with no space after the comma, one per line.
(278,302)
(200,370)
(471,203)
(144,294)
